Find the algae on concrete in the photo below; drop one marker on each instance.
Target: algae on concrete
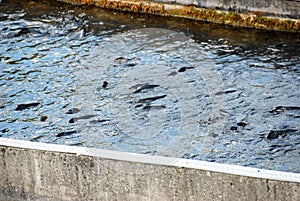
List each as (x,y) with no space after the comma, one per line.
(234,17)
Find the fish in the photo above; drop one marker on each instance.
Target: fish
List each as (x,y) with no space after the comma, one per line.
(157,107)
(99,121)
(25,106)
(43,118)
(182,69)
(273,134)
(144,87)
(151,99)
(82,117)
(104,85)
(279,109)
(66,133)
(242,124)
(226,91)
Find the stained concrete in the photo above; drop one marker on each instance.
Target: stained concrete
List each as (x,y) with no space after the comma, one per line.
(280,15)
(282,8)
(37,171)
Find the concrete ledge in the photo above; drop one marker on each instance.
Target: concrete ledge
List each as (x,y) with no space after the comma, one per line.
(279,8)
(280,15)
(37,171)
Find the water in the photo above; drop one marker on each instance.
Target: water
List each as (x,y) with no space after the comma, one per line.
(84,76)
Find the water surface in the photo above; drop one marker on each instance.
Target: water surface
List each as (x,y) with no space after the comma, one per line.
(84,76)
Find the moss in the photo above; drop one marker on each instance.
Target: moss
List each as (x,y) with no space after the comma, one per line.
(255,19)
(236,19)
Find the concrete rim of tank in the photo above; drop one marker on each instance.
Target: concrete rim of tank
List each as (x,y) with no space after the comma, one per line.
(264,14)
(155,160)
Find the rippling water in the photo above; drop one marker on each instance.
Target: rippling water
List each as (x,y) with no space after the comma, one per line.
(84,76)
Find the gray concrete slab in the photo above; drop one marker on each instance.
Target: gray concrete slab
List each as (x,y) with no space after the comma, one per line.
(37,171)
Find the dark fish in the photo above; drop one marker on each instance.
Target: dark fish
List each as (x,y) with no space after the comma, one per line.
(5,130)
(82,117)
(214,134)
(233,128)
(73,111)
(104,85)
(292,107)
(182,69)
(22,31)
(24,106)
(66,133)
(150,99)
(242,124)
(146,86)
(43,118)
(273,134)
(131,65)
(36,138)
(279,109)
(121,59)
(99,121)
(226,91)
(157,107)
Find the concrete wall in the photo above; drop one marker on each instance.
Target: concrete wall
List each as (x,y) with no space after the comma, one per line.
(36,171)
(282,8)
(280,15)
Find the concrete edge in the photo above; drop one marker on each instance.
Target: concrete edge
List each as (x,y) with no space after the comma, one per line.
(239,14)
(157,160)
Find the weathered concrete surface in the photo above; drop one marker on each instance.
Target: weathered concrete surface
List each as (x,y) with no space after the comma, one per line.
(282,8)
(36,171)
(282,15)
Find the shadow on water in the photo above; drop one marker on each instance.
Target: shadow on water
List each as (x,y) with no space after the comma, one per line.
(86,76)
